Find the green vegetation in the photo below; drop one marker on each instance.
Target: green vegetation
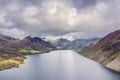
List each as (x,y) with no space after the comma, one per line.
(75,49)
(28,51)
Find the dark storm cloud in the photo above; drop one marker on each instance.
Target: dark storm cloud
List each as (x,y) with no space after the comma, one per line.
(22,2)
(30,2)
(84,3)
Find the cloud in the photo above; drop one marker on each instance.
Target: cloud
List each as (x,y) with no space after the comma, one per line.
(59,18)
(13,32)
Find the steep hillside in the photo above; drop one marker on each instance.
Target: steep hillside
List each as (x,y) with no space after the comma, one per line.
(9,57)
(7,43)
(106,51)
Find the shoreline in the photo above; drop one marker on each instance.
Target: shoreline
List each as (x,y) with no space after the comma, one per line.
(105,65)
(17,61)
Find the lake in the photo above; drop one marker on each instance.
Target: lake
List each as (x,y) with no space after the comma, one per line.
(59,65)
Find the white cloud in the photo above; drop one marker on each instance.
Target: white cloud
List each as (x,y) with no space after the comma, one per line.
(3,21)
(17,33)
(30,15)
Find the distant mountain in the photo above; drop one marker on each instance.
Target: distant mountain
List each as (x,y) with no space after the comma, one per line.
(79,44)
(76,45)
(59,43)
(106,51)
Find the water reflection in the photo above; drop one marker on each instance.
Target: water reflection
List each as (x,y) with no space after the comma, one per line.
(59,65)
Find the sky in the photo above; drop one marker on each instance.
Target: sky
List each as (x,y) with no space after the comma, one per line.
(71,19)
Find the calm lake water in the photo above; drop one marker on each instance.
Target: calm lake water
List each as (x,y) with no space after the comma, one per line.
(59,65)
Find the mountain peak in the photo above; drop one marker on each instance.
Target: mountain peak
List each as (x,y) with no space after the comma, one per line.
(36,43)
(33,39)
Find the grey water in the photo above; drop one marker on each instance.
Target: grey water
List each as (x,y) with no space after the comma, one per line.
(59,65)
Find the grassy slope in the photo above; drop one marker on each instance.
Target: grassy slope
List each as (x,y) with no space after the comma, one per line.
(10,60)
(28,51)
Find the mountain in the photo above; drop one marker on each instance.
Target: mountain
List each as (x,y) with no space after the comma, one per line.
(6,42)
(59,43)
(36,43)
(106,51)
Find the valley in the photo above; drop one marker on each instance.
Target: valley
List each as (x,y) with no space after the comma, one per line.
(105,50)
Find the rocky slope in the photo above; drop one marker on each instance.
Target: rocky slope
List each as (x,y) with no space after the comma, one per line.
(106,51)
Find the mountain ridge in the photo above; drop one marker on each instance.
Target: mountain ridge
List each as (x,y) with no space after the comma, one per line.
(77,44)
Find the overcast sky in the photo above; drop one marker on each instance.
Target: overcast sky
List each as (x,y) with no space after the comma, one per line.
(59,18)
